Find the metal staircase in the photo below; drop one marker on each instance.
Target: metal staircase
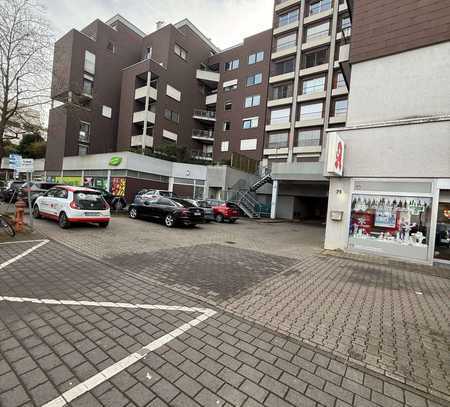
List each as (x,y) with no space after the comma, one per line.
(247,201)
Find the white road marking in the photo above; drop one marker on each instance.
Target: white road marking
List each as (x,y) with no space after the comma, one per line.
(22,241)
(125,363)
(25,253)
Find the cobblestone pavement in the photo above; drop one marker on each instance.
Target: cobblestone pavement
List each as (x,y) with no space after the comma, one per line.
(65,317)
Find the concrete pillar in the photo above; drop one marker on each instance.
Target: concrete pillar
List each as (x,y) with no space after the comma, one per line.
(171,182)
(273,213)
(108,181)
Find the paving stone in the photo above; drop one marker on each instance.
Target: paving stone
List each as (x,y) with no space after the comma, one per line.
(183,401)
(274,386)
(210,381)
(339,392)
(206,398)
(231,377)
(140,395)
(356,388)
(232,395)
(414,400)
(188,385)
(253,390)
(393,392)
(384,401)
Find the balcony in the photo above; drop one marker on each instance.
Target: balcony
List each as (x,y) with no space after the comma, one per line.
(286,27)
(284,51)
(203,135)
(282,4)
(210,78)
(136,141)
(298,171)
(202,155)
(344,63)
(204,115)
(141,93)
(143,116)
(211,99)
(282,77)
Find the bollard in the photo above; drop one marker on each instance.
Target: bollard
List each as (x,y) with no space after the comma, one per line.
(20,210)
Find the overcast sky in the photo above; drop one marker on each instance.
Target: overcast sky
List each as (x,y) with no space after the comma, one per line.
(226,22)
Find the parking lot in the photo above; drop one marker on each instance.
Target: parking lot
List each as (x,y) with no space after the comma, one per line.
(287,325)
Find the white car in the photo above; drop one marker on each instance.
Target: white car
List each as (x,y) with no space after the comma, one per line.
(70,205)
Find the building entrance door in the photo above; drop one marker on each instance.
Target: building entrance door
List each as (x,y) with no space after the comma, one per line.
(442,245)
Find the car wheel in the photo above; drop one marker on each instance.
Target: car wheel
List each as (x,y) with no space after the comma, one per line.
(133,213)
(36,213)
(219,218)
(169,221)
(103,225)
(63,221)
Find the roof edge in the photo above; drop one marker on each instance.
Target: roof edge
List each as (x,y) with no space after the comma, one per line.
(125,22)
(198,32)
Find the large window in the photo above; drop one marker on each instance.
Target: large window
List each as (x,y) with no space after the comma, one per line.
(82,150)
(309,138)
(340,81)
(250,123)
(442,243)
(252,101)
(231,65)
(85,132)
(88,85)
(257,57)
(228,105)
(171,115)
(278,140)
(340,107)
(282,91)
(254,79)
(280,116)
(181,52)
(283,67)
(311,111)
(314,32)
(288,18)
(313,85)
(314,58)
(89,62)
(286,42)
(316,7)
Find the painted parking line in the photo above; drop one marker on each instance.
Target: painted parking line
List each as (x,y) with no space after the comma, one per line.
(128,361)
(25,253)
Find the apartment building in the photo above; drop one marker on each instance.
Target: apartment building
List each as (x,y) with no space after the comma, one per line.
(390,165)
(307,95)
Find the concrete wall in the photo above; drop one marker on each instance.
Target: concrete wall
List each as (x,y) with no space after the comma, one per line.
(285,207)
(406,85)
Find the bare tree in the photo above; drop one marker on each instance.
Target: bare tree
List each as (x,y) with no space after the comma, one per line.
(25,65)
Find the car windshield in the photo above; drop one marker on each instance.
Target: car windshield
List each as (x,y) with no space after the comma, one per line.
(232,205)
(165,194)
(89,200)
(184,203)
(203,204)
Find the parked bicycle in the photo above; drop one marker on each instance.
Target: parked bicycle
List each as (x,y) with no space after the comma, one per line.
(7,226)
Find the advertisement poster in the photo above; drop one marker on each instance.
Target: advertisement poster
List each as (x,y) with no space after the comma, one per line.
(72,181)
(386,219)
(118,186)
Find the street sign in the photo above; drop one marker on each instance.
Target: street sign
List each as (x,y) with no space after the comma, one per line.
(27,165)
(15,161)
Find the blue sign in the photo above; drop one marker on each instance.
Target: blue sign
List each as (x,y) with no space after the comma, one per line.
(15,161)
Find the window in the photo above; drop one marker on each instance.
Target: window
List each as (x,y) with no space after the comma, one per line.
(280,116)
(173,93)
(111,47)
(317,31)
(316,7)
(254,58)
(288,18)
(340,81)
(249,144)
(231,65)
(309,138)
(286,42)
(282,91)
(313,85)
(314,58)
(252,101)
(250,123)
(106,111)
(89,62)
(226,126)
(228,105)
(88,85)
(286,66)
(82,149)
(254,80)
(345,23)
(224,146)
(340,107)
(149,53)
(168,135)
(181,52)
(308,159)
(61,193)
(230,85)
(278,140)
(85,132)
(311,111)
(172,116)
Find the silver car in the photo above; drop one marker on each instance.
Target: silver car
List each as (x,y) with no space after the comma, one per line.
(207,209)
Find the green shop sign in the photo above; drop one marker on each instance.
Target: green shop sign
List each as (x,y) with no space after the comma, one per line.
(115,161)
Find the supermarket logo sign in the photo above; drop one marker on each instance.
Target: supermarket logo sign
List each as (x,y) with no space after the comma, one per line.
(115,161)
(336,154)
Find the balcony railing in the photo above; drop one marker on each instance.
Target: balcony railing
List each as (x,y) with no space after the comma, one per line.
(201,155)
(205,114)
(203,133)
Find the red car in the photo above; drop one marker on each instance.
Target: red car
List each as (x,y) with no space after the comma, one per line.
(224,210)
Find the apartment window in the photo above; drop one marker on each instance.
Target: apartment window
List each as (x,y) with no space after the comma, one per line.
(149,53)
(225,145)
(111,47)
(88,85)
(311,111)
(315,58)
(308,158)
(228,105)
(313,85)
(286,42)
(340,81)
(250,123)
(230,85)
(254,79)
(288,18)
(340,107)
(231,65)
(249,144)
(309,138)
(227,126)
(85,132)
(316,7)
(106,112)
(89,62)
(286,66)
(257,57)
(181,52)
(252,101)
(282,91)
(172,116)
(314,32)
(82,150)
(280,116)
(278,140)
(345,23)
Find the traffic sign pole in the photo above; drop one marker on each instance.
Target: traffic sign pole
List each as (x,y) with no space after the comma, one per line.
(30,215)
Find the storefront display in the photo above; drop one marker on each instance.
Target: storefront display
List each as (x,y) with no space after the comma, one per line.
(391,225)
(442,243)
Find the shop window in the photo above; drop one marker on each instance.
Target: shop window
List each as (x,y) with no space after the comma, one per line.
(442,243)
